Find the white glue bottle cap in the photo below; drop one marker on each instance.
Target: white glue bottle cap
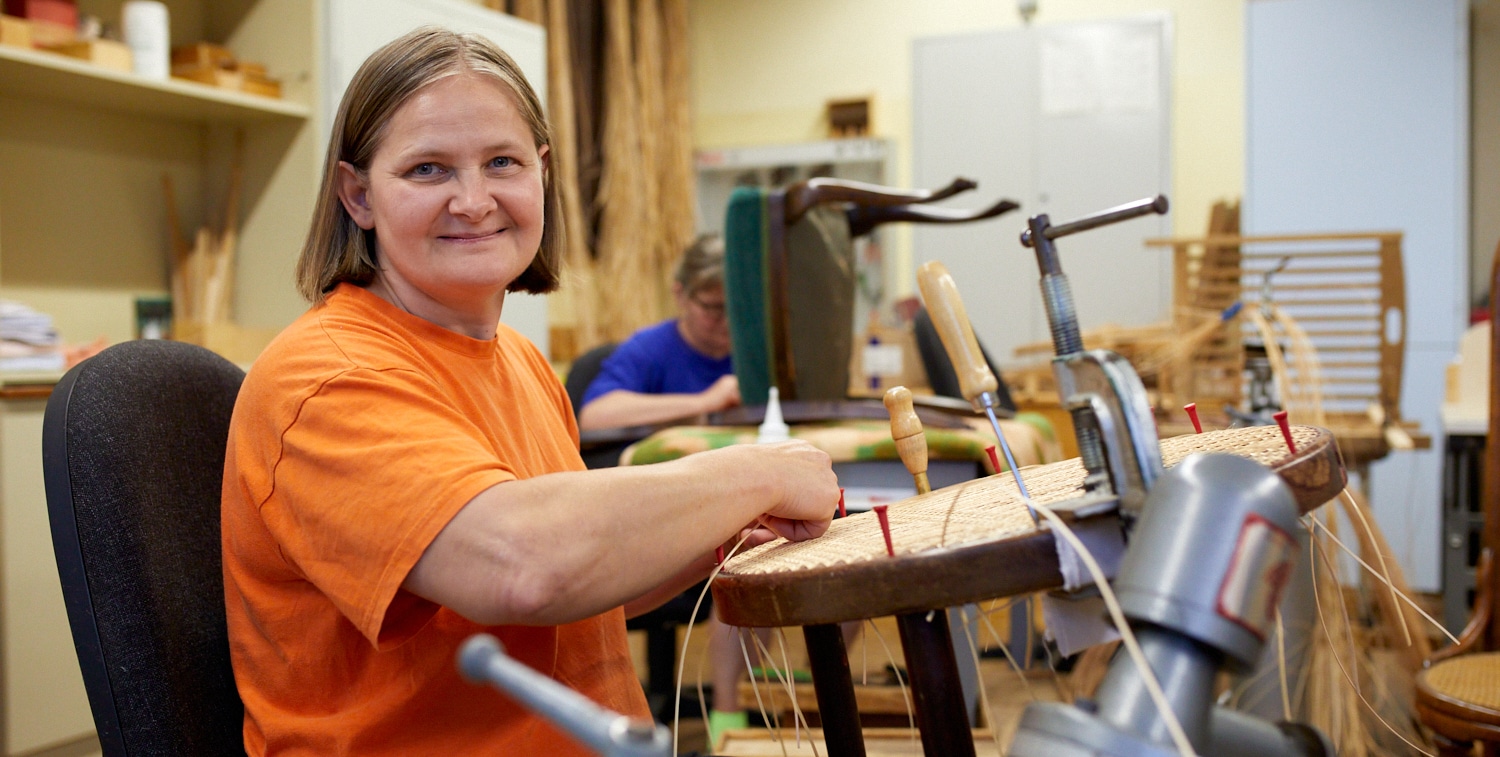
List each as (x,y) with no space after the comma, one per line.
(773,429)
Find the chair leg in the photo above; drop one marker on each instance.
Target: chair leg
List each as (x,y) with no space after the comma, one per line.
(1450,748)
(661,667)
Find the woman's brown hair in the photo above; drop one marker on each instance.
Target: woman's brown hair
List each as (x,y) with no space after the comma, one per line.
(337,249)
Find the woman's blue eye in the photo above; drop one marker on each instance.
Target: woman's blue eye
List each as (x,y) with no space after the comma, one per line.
(425,169)
(502,162)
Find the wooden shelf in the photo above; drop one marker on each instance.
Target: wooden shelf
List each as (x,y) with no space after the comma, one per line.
(42,75)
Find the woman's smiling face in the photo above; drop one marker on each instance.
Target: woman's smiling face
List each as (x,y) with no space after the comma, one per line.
(454,194)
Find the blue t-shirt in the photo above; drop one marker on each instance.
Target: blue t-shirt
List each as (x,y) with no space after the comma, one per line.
(657,360)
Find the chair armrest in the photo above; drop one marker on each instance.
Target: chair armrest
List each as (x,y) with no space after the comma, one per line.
(1473,633)
(805,194)
(863,219)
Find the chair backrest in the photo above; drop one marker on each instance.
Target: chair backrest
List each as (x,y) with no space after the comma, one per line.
(133,456)
(789,296)
(789,277)
(583,371)
(1490,485)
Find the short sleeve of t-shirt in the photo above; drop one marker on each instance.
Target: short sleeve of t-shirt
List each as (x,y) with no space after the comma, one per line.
(355,529)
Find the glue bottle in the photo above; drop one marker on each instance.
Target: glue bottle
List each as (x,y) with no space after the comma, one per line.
(773,429)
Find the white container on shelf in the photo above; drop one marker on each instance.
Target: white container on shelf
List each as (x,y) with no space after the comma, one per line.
(148,33)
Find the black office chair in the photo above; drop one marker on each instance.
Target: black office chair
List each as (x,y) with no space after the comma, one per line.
(583,371)
(940,374)
(133,456)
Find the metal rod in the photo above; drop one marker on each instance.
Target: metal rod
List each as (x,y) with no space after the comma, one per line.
(1147,206)
(481,659)
(1010,460)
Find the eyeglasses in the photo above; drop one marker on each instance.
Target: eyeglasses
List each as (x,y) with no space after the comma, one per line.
(710,309)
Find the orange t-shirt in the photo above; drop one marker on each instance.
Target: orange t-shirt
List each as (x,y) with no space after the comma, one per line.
(358,434)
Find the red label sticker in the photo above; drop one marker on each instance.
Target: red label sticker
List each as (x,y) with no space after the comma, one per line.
(1261,566)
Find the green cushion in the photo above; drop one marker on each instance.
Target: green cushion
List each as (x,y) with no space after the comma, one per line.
(745,292)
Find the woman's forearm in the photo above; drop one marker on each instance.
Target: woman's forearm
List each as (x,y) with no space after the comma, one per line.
(622,408)
(554,549)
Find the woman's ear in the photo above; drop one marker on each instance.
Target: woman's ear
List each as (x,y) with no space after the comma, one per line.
(354,193)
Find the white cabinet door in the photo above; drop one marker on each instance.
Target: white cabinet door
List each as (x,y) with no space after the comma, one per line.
(1358,121)
(1067,119)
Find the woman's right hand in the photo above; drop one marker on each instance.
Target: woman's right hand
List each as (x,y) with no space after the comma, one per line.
(805,491)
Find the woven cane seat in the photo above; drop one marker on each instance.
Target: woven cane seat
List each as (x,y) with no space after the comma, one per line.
(1466,686)
(971,541)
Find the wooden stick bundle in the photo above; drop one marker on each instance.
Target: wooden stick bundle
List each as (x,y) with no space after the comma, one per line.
(202,283)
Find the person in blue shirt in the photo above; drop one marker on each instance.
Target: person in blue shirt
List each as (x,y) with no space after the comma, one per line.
(678,368)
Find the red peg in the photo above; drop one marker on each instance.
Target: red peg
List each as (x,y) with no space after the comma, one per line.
(841,502)
(719,555)
(885,528)
(1286,431)
(994,459)
(1192,411)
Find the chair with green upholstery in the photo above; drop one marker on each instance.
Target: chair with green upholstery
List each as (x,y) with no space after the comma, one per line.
(789,277)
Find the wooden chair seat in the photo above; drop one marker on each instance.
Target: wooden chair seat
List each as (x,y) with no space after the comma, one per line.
(1467,690)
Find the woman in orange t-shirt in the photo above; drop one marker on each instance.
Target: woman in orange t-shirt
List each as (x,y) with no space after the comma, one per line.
(402,469)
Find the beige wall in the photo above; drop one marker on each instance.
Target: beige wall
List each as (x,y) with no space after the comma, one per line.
(763,69)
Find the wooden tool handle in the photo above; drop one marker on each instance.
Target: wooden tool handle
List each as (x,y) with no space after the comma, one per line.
(940,294)
(906,430)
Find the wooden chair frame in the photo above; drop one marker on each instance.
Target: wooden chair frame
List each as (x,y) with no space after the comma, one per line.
(866,207)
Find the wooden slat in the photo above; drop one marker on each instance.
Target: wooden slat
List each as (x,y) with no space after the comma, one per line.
(1231,240)
(1283,287)
(1373,254)
(1315,318)
(1330,271)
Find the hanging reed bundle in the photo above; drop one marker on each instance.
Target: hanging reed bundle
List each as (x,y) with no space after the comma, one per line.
(650,86)
(630,300)
(644,200)
(677,175)
(574,304)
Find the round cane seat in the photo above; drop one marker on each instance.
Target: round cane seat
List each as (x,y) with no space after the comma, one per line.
(972,541)
(1466,686)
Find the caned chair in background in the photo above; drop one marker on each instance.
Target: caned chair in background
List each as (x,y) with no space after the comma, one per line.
(133,456)
(1458,694)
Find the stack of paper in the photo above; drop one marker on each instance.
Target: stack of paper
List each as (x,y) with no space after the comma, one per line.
(28,340)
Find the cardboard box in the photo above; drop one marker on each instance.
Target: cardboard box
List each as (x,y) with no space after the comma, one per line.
(242,81)
(884,357)
(104,53)
(15,32)
(201,55)
(46,34)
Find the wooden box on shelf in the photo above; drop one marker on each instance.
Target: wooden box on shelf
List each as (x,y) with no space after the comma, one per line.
(47,33)
(216,66)
(104,53)
(15,32)
(202,55)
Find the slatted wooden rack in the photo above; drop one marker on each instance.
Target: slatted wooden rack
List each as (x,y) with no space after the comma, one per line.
(1347,291)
